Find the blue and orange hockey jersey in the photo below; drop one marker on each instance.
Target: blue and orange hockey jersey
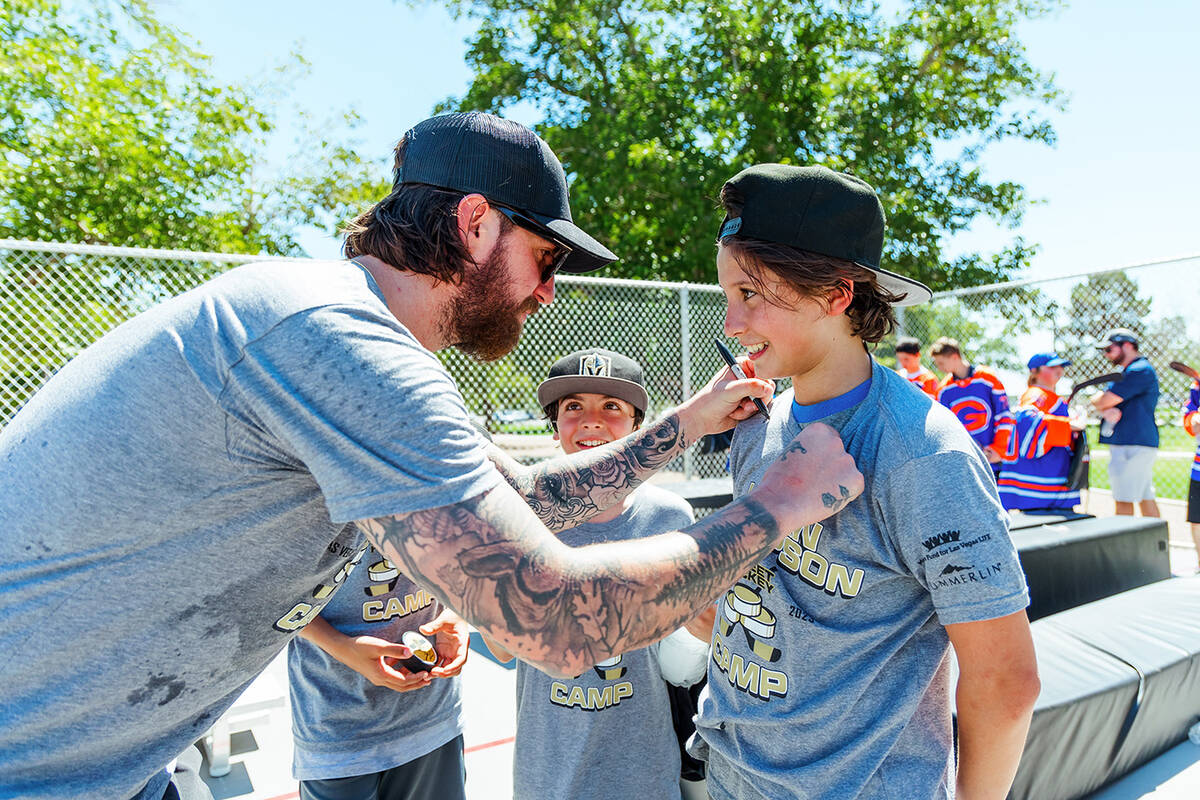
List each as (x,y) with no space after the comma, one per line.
(923,379)
(977,400)
(1034,442)
(1191,418)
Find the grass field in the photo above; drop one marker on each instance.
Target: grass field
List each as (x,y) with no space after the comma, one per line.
(1172,469)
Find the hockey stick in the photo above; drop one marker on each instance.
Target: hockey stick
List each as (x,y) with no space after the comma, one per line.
(1107,377)
(1179,366)
(1081,457)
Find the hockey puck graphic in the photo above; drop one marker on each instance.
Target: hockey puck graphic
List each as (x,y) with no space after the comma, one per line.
(423,658)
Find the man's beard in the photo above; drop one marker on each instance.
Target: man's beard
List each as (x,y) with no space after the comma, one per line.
(483,320)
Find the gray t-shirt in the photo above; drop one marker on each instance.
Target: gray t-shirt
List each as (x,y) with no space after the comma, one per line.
(177,503)
(829,676)
(606,733)
(342,724)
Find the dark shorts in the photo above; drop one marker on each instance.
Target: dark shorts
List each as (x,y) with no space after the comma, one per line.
(440,775)
(1194,501)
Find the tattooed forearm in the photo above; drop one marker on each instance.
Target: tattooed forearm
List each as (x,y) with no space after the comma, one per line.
(490,558)
(564,608)
(568,490)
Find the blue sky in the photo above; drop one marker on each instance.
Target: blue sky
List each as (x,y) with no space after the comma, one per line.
(1120,187)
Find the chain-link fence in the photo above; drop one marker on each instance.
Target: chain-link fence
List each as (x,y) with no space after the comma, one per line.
(1002,325)
(56,299)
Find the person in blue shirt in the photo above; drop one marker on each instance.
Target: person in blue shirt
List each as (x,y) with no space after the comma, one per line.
(1127,408)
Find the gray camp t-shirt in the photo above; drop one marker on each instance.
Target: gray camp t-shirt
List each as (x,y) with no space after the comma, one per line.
(829,675)
(177,503)
(606,733)
(344,725)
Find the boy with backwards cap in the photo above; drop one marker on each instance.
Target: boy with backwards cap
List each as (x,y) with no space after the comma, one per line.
(607,732)
(830,670)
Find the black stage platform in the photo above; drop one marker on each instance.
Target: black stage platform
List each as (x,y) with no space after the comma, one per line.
(1120,685)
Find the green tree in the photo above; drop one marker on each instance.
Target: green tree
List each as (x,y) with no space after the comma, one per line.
(1099,304)
(652,105)
(113,132)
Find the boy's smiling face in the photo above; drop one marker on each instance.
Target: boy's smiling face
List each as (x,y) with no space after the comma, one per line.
(781,342)
(587,420)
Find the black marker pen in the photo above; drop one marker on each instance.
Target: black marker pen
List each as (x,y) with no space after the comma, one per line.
(737,371)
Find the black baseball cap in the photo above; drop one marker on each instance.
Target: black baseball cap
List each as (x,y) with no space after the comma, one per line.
(595,371)
(908,346)
(819,210)
(507,163)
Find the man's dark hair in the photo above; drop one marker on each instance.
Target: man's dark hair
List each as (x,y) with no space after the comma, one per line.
(812,275)
(414,229)
(907,345)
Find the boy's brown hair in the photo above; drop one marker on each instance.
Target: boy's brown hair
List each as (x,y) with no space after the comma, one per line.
(946,346)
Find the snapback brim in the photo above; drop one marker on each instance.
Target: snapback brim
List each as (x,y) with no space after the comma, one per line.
(586,253)
(914,292)
(554,389)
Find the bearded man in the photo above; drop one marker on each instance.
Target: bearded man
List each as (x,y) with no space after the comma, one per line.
(184,496)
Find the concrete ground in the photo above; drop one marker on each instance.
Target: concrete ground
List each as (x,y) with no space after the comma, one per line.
(1099,502)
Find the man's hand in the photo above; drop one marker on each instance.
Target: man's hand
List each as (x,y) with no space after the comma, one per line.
(813,479)
(992,456)
(453,642)
(723,402)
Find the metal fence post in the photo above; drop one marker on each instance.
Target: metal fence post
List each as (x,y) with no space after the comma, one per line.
(685,355)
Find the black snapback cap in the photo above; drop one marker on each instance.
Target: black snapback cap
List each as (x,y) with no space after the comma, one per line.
(595,371)
(819,210)
(507,163)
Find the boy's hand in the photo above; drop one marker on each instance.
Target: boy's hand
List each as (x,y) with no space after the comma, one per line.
(453,642)
(372,658)
(813,479)
(724,402)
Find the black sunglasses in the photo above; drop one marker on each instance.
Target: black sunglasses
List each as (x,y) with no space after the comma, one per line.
(562,249)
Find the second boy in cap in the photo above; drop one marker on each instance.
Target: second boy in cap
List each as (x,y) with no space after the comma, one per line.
(607,732)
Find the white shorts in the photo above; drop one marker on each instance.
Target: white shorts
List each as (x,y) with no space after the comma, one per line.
(1131,472)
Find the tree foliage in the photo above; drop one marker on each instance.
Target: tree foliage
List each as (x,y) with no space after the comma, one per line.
(651,105)
(113,131)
